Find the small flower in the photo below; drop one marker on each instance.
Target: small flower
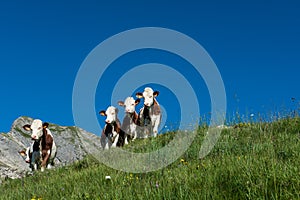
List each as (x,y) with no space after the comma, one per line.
(36,198)
(156,185)
(107,178)
(181,160)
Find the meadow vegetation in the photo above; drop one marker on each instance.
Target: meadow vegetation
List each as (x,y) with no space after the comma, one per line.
(255,160)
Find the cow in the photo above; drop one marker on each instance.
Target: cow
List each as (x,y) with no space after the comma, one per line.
(42,135)
(112,134)
(150,114)
(130,121)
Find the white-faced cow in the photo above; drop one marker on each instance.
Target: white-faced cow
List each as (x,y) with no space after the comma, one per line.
(130,121)
(150,114)
(43,137)
(112,134)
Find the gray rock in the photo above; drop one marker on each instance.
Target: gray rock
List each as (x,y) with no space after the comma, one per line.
(73,144)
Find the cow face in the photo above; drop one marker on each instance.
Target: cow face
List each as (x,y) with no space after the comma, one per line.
(129,104)
(148,96)
(110,113)
(36,128)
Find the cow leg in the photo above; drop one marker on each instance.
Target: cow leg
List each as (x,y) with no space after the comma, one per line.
(156,122)
(35,157)
(148,131)
(45,158)
(107,145)
(145,132)
(154,131)
(115,141)
(134,133)
(27,159)
(122,137)
(50,161)
(126,138)
(104,142)
(35,167)
(52,155)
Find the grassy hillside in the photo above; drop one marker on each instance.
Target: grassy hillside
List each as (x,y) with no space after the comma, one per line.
(250,161)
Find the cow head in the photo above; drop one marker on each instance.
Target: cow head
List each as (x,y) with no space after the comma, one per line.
(148,96)
(111,114)
(36,128)
(129,104)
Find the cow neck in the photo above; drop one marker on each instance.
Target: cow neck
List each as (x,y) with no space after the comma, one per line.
(133,117)
(115,125)
(154,108)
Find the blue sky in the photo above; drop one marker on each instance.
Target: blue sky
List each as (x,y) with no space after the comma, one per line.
(255,45)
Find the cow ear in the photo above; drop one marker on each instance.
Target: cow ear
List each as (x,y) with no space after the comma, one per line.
(139,95)
(121,103)
(102,112)
(156,93)
(45,125)
(27,127)
(137,101)
(22,153)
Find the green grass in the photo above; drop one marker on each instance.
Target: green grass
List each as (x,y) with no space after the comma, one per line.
(251,161)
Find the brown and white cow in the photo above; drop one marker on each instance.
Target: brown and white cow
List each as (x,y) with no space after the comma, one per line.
(130,121)
(112,134)
(150,114)
(42,135)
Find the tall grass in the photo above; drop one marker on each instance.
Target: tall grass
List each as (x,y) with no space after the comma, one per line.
(259,160)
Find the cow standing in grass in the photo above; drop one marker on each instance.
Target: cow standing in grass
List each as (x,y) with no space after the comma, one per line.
(130,121)
(112,134)
(47,148)
(150,113)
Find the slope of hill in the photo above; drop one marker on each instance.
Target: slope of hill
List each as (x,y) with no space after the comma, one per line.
(250,161)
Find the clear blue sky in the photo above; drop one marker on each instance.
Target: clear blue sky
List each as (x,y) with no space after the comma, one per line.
(255,45)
